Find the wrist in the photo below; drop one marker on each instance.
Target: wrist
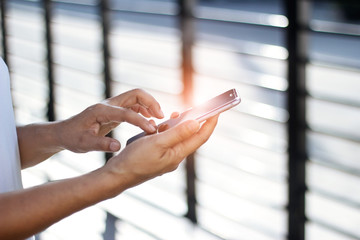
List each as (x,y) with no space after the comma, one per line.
(117,177)
(52,133)
(109,183)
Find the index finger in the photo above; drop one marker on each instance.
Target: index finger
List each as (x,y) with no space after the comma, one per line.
(138,97)
(108,113)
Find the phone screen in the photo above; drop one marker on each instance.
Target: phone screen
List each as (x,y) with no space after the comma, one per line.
(205,110)
(213,106)
(201,112)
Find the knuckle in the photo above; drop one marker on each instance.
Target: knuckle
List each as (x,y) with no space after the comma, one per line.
(137,91)
(125,113)
(95,107)
(80,144)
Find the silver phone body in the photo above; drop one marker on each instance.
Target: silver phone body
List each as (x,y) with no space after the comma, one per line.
(210,108)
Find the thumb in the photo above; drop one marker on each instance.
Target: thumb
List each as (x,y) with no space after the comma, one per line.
(106,144)
(179,133)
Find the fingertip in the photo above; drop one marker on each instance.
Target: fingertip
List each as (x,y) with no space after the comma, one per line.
(114,146)
(155,111)
(160,113)
(175,115)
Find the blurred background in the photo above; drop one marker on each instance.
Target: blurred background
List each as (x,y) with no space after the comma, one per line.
(284,164)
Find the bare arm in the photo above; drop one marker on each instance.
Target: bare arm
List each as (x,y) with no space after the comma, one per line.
(26,212)
(37,142)
(29,211)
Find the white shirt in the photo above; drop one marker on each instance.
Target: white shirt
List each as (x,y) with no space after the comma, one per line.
(10,169)
(10,175)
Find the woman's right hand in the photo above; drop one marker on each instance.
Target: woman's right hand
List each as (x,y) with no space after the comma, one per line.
(156,154)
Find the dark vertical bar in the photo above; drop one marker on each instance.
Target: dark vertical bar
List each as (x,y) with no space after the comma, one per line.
(3,30)
(187,38)
(296,45)
(191,188)
(110,227)
(187,31)
(105,25)
(38,237)
(110,230)
(47,5)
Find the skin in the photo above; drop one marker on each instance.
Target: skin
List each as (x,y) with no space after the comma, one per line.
(29,211)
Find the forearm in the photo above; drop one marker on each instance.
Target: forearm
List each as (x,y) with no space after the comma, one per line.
(37,142)
(27,212)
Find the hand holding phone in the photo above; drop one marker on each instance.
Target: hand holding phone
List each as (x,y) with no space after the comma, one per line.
(212,107)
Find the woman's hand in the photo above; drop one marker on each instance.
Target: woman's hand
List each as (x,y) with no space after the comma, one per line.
(86,131)
(156,154)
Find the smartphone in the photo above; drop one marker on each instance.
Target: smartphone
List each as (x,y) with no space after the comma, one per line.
(210,108)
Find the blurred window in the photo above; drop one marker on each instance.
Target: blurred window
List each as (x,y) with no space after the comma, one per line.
(241,174)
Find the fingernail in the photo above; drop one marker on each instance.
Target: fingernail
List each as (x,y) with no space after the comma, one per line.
(163,127)
(114,146)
